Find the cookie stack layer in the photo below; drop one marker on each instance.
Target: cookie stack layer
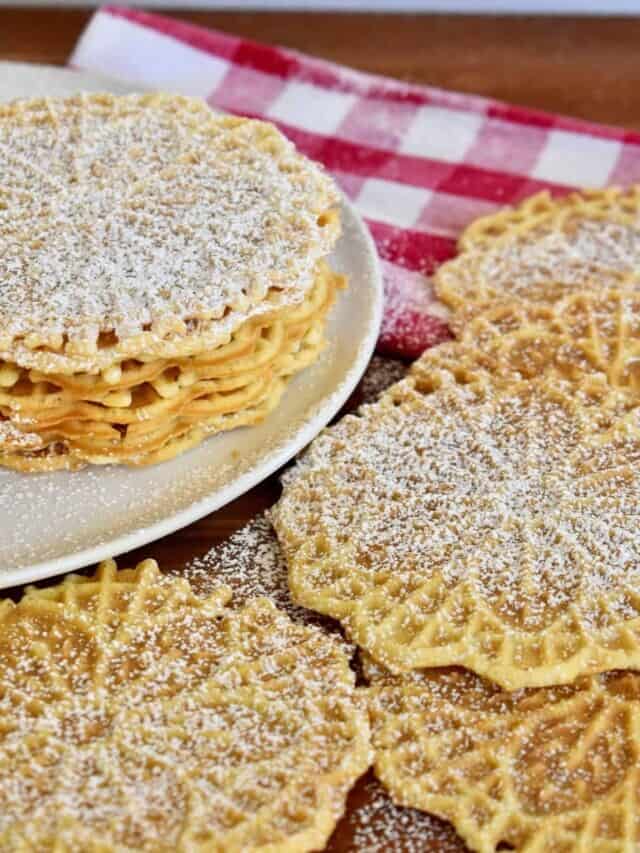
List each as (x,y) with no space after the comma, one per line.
(162,276)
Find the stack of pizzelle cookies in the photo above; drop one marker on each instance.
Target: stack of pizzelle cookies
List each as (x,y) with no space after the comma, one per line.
(476,533)
(163,276)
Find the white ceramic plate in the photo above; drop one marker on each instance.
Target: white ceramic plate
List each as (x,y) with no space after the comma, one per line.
(52,523)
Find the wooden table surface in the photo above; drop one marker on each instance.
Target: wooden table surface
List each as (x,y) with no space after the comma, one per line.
(584,67)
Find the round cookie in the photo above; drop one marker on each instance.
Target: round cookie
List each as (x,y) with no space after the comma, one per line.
(544,250)
(138,716)
(548,769)
(490,527)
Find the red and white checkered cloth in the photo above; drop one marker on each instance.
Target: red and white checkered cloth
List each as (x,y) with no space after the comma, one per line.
(419,163)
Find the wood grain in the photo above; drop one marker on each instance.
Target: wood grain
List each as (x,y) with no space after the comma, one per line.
(582,67)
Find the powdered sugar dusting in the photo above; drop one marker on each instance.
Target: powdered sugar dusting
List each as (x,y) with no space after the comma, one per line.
(120,213)
(413,319)
(543,263)
(522,768)
(251,563)
(375,825)
(138,716)
(17,439)
(426,515)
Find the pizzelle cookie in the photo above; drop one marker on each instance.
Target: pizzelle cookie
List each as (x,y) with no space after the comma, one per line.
(591,338)
(552,769)
(159,243)
(608,204)
(138,716)
(155,230)
(494,528)
(544,250)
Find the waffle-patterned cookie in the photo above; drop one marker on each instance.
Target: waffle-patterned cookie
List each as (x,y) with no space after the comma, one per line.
(141,413)
(494,528)
(146,226)
(136,716)
(610,203)
(553,769)
(544,250)
(589,337)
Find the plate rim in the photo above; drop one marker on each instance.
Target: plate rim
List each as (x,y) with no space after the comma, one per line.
(118,85)
(326,408)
